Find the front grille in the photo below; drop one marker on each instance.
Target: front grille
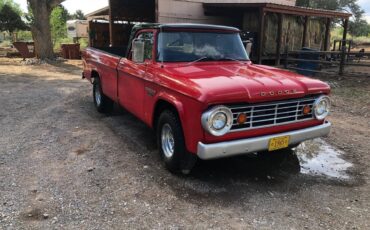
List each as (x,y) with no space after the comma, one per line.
(271,114)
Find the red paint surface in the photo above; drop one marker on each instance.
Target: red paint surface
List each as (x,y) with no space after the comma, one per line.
(193,88)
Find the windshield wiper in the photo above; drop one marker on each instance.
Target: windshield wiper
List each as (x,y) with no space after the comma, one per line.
(230,59)
(201,59)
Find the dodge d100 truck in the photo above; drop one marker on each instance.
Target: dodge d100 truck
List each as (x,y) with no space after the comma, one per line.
(196,87)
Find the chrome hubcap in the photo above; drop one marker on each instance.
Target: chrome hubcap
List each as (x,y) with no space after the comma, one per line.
(97,95)
(168,141)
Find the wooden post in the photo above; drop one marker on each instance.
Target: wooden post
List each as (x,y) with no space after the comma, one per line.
(343,56)
(111,24)
(156,11)
(261,35)
(327,35)
(286,57)
(279,38)
(305,25)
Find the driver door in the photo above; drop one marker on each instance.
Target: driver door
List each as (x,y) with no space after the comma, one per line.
(131,76)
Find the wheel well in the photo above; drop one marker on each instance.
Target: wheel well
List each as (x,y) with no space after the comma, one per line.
(94,74)
(159,108)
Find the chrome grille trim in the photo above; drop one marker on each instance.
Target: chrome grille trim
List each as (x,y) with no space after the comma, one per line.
(272,114)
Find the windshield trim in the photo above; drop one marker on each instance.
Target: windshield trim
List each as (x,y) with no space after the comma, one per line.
(197,31)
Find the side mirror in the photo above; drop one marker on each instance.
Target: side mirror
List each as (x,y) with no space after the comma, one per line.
(138,47)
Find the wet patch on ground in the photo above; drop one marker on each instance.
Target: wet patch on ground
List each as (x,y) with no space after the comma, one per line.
(319,158)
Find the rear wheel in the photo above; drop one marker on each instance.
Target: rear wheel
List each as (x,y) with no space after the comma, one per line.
(171,143)
(102,103)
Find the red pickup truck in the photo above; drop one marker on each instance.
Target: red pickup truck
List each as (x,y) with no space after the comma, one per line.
(196,87)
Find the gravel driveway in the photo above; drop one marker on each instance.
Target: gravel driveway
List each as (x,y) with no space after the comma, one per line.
(64,166)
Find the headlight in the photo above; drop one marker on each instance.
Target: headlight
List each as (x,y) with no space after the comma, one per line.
(218,120)
(322,107)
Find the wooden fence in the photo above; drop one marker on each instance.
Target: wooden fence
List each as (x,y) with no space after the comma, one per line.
(311,62)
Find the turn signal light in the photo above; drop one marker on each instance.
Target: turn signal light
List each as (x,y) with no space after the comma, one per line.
(306,110)
(242,118)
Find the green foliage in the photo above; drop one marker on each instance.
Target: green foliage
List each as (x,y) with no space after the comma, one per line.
(58,22)
(337,34)
(11,20)
(78,15)
(84,43)
(6,43)
(25,36)
(11,4)
(340,5)
(357,27)
(61,41)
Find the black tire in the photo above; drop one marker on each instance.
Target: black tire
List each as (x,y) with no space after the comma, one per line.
(181,161)
(102,103)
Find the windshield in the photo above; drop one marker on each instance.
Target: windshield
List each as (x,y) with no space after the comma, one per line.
(200,46)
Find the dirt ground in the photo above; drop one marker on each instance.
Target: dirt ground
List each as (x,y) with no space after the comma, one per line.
(64,166)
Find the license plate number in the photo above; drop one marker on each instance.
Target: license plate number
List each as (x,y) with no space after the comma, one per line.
(279,143)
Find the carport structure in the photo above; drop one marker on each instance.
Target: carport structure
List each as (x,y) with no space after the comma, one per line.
(276,27)
(126,12)
(261,11)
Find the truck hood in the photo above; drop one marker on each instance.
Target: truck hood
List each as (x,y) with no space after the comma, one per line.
(237,82)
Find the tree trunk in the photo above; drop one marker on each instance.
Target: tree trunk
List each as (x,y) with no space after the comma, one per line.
(41,31)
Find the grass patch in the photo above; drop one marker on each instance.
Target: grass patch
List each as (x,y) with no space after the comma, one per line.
(5,43)
(337,34)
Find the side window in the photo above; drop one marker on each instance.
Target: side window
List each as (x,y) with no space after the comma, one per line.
(148,38)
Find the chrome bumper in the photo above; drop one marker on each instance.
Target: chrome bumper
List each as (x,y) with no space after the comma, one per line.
(258,144)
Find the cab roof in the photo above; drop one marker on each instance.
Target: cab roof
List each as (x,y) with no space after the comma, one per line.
(183,26)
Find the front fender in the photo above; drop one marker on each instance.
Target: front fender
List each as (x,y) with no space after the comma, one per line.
(189,111)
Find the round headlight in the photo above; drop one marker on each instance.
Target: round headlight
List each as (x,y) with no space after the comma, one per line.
(218,120)
(322,107)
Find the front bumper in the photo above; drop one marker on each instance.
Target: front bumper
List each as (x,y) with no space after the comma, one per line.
(258,144)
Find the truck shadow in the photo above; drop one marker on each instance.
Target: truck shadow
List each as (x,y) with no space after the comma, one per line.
(248,167)
(224,180)
(313,162)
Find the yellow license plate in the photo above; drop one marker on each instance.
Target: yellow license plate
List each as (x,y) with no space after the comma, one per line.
(279,143)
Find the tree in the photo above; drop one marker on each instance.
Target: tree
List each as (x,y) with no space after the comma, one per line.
(78,15)
(359,28)
(11,4)
(40,26)
(341,5)
(10,20)
(58,23)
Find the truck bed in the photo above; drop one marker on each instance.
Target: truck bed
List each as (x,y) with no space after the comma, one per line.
(117,51)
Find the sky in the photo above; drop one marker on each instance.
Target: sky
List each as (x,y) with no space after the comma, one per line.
(88,6)
(365,4)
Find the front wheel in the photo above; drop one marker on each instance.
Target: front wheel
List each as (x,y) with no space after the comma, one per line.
(102,103)
(171,143)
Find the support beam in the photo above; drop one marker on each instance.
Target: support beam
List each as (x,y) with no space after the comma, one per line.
(327,35)
(261,34)
(344,49)
(345,31)
(156,18)
(305,30)
(279,39)
(111,24)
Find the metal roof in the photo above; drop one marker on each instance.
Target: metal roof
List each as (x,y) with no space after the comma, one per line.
(101,12)
(277,8)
